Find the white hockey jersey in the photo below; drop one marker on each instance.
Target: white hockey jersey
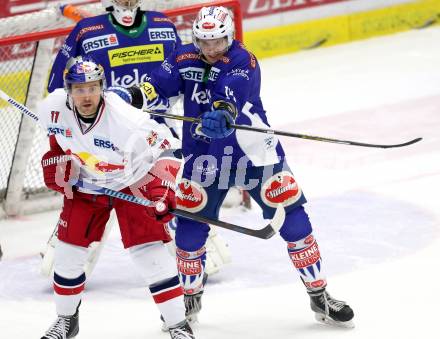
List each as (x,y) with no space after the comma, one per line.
(117,150)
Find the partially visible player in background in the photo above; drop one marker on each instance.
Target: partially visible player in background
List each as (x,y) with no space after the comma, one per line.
(96,137)
(223,88)
(127,41)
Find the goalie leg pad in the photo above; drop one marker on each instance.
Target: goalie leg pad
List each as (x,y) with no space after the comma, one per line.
(69,277)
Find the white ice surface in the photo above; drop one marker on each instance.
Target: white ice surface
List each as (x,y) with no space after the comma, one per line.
(375,212)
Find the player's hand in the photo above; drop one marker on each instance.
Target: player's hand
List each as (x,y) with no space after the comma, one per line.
(59,171)
(123,93)
(216,124)
(159,187)
(152,101)
(164,198)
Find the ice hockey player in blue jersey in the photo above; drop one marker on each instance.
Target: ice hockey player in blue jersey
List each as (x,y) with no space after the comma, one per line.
(220,81)
(128,42)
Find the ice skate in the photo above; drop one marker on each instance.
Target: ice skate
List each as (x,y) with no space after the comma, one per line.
(182,331)
(64,327)
(193,305)
(329,310)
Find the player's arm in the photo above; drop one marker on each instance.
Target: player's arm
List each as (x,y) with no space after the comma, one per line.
(69,49)
(154,94)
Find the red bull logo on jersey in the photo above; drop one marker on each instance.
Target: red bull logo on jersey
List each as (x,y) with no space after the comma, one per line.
(191,196)
(97,165)
(280,188)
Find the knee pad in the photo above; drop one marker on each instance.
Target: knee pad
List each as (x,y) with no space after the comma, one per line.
(153,261)
(69,260)
(191,235)
(296,225)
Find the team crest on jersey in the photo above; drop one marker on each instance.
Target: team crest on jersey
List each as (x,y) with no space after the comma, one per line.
(100,42)
(191,196)
(280,188)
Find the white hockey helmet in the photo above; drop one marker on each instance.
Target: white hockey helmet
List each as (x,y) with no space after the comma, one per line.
(212,23)
(124,11)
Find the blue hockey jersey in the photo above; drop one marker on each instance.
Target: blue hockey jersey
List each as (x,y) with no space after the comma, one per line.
(235,79)
(128,56)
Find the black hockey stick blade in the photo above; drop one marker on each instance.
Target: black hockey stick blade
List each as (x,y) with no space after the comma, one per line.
(263,233)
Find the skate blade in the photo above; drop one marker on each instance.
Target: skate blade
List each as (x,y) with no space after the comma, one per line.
(323,319)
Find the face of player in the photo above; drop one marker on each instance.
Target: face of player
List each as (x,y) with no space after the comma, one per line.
(214,49)
(86,98)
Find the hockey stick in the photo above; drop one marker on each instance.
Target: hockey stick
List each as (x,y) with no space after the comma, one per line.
(288,134)
(17,105)
(264,233)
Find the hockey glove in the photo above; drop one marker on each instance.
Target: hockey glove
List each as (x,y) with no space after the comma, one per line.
(152,101)
(123,93)
(215,124)
(59,171)
(160,188)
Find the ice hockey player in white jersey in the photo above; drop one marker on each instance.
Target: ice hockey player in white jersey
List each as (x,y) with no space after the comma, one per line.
(96,137)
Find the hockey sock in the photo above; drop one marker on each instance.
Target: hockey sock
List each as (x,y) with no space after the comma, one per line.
(191,266)
(168,296)
(306,258)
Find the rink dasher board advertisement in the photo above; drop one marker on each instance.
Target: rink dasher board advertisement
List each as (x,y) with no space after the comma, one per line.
(275,27)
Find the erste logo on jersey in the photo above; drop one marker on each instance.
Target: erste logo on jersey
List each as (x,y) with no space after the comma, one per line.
(100,42)
(104,143)
(136,55)
(192,73)
(54,130)
(156,34)
(281,188)
(191,196)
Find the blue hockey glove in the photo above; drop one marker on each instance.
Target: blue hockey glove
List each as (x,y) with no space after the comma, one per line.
(122,92)
(215,124)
